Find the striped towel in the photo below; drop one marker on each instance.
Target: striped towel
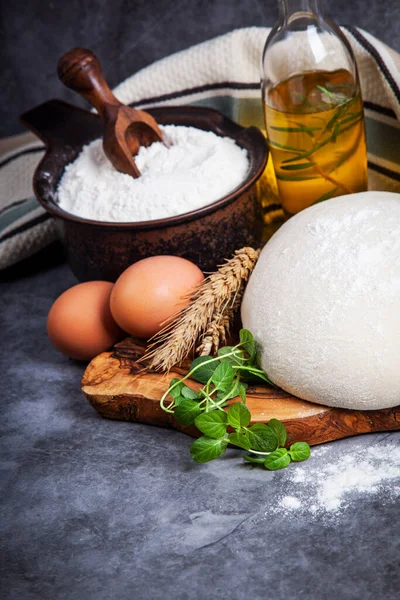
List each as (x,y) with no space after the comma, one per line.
(222,73)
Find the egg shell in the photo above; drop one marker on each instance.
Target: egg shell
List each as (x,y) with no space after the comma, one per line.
(80,323)
(151,291)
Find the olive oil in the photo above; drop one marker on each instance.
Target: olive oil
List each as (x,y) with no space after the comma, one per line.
(316,135)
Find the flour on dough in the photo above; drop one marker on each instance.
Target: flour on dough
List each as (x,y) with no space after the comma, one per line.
(324,303)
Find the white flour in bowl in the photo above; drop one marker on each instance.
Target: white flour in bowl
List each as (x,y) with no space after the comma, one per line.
(198,169)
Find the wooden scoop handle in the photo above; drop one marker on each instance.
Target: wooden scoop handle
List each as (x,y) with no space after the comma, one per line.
(125,128)
(80,70)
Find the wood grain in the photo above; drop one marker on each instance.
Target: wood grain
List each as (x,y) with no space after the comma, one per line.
(118,387)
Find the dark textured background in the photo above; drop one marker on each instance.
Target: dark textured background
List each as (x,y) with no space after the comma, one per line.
(130,34)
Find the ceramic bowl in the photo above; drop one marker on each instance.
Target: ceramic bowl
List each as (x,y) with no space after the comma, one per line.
(102,250)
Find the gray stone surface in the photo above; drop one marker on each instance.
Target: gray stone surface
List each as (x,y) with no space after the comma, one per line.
(96,510)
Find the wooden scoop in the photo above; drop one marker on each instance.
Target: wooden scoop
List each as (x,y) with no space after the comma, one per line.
(125,128)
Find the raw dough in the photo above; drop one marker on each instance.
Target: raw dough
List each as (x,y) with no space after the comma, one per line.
(324,303)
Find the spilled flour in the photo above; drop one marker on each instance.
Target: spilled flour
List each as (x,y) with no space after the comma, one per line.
(336,484)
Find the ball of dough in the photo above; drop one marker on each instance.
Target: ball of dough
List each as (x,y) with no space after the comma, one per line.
(323,302)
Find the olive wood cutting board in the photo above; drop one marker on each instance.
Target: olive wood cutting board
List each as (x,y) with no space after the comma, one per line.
(118,388)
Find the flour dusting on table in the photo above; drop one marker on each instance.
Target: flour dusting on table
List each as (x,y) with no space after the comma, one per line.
(197,169)
(335,485)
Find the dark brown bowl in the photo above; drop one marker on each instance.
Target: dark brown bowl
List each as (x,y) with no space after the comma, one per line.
(99,250)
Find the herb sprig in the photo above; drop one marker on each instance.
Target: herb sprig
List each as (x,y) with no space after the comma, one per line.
(225,377)
(303,164)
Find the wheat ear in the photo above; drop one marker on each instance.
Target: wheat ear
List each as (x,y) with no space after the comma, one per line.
(207,317)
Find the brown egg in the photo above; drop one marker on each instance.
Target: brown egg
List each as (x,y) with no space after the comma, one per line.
(80,323)
(151,291)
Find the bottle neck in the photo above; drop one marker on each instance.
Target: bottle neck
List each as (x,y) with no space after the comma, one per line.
(293,9)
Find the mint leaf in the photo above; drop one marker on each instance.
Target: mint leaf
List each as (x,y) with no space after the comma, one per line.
(300,451)
(240,439)
(178,400)
(247,342)
(213,423)
(186,411)
(255,376)
(239,415)
(280,431)
(262,438)
(242,392)
(177,390)
(232,393)
(236,359)
(206,448)
(279,459)
(187,392)
(253,460)
(223,376)
(204,367)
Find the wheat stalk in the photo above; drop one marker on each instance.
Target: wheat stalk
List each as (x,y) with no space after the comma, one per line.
(208,316)
(217,332)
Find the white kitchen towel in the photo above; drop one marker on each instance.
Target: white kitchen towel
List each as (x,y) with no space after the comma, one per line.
(222,73)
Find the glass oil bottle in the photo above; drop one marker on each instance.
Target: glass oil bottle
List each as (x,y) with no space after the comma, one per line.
(313,108)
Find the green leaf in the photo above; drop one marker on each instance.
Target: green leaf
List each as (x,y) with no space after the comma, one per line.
(282,177)
(178,400)
(279,459)
(223,376)
(255,375)
(335,133)
(239,415)
(240,439)
(253,460)
(213,423)
(206,448)
(177,390)
(242,392)
(187,392)
(298,167)
(202,368)
(283,147)
(340,111)
(237,358)
(300,451)
(325,196)
(327,92)
(232,393)
(300,129)
(280,431)
(186,412)
(247,342)
(262,438)
(225,350)
(350,125)
(317,147)
(309,152)
(352,117)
